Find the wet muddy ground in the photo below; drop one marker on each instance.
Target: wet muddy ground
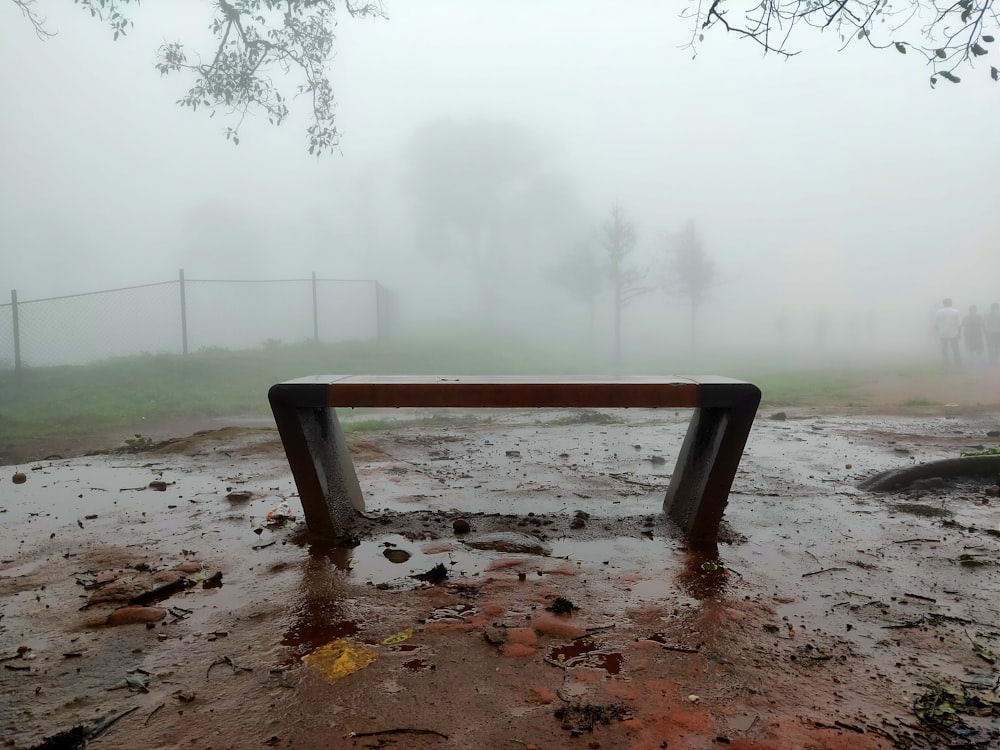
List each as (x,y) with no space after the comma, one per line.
(567,615)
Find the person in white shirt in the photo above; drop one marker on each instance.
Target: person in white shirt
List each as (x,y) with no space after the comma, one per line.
(948,324)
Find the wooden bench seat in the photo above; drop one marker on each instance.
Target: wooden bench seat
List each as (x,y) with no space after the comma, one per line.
(305,413)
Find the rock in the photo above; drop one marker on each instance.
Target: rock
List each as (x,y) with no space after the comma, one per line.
(993,433)
(993,491)
(394,555)
(167,576)
(513,454)
(19,478)
(780,416)
(657,460)
(159,485)
(240,496)
(188,567)
(135,615)
(461,526)
(509,541)
(494,636)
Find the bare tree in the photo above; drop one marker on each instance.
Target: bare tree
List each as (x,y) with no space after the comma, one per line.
(480,191)
(578,273)
(947,33)
(688,272)
(617,237)
(254,38)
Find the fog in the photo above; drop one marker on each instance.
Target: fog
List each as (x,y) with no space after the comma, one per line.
(839,196)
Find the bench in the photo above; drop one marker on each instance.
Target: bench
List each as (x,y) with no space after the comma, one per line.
(305,413)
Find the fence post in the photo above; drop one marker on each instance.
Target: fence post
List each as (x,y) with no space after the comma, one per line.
(184,322)
(315,310)
(17,337)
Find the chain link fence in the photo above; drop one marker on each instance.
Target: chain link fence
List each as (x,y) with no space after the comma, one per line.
(186,315)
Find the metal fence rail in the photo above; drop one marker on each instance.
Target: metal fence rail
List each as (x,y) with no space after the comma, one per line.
(185,315)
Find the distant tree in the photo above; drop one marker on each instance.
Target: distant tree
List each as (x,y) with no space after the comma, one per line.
(579,274)
(687,271)
(252,39)
(617,237)
(483,191)
(948,33)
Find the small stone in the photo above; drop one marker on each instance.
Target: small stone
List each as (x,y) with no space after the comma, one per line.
(494,636)
(461,526)
(159,485)
(993,433)
(779,416)
(19,478)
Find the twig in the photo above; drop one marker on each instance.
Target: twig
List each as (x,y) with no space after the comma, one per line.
(852,727)
(911,541)
(554,663)
(146,722)
(226,660)
(104,724)
(824,570)
(595,628)
(401,730)
(924,598)
(682,649)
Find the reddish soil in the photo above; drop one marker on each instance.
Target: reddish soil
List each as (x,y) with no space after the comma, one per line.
(831,618)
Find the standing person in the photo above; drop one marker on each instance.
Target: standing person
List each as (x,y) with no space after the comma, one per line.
(991,325)
(948,324)
(972,329)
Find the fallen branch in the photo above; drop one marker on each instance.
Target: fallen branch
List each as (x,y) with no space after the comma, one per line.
(401,730)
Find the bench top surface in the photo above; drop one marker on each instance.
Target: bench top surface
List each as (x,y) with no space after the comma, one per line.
(513,391)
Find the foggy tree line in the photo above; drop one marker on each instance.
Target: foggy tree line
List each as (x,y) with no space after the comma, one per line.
(481,191)
(251,39)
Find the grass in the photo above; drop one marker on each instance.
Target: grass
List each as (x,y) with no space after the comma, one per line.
(917,402)
(121,395)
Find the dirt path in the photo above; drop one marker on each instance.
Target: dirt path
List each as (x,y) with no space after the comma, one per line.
(832,618)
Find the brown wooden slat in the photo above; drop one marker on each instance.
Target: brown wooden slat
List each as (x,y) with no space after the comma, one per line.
(502,394)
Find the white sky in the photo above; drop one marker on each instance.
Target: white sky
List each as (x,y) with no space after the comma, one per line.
(834,178)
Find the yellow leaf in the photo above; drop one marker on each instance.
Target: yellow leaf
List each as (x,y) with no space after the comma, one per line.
(338,659)
(398,637)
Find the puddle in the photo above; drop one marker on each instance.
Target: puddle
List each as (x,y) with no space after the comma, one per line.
(417,665)
(585,652)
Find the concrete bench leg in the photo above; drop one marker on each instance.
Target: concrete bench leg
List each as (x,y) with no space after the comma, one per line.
(710,455)
(321,466)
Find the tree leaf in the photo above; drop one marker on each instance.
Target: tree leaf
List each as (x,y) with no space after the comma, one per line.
(901,48)
(941,53)
(948,75)
(987,38)
(994,74)
(977,50)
